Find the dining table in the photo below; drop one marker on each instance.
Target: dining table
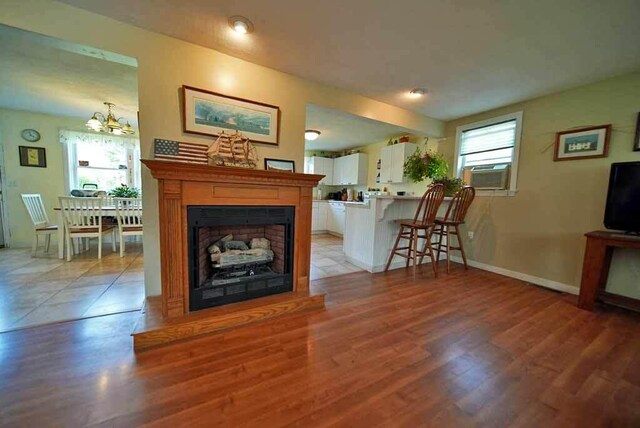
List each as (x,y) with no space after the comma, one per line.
(107,211)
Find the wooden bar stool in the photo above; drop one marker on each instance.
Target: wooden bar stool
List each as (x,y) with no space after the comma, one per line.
(454,217)
(421,227)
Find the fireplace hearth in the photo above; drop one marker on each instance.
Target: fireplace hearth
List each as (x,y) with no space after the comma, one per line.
(238,253)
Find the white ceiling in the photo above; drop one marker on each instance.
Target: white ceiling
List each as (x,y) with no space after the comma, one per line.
(44,75)
(473,55)
(340,131)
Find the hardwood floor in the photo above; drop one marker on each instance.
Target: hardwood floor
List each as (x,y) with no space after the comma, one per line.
(470,348)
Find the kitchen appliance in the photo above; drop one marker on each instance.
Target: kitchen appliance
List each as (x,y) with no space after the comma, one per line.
(89,190)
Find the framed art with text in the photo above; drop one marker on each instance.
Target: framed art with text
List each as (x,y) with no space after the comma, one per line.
(583,143)
(33,156)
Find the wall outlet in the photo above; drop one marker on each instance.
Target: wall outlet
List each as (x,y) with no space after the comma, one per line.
(470,234)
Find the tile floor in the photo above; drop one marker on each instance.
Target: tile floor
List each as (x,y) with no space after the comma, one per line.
(327,258)
(44,289)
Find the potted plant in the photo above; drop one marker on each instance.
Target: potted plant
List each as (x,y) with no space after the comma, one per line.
(451,185)
(422,165)
(124,191)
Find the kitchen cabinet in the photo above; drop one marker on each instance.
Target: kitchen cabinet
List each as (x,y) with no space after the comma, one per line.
(319,216)
(392,159)
(350,170)
(336,217)
(324,166)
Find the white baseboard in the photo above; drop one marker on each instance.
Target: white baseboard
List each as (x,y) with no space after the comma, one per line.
(543,282)
(397,264)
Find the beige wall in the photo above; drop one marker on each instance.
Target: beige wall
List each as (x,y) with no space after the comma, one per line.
(49,181)
(540,230)
(164,64)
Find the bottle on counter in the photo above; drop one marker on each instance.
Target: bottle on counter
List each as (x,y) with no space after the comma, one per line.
(319,195)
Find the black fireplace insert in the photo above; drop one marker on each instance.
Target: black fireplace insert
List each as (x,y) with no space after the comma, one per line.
(238,253)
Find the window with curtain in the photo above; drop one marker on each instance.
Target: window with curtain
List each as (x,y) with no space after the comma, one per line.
(490,142)
(104,160)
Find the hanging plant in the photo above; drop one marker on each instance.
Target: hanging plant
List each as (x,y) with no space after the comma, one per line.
(422,165)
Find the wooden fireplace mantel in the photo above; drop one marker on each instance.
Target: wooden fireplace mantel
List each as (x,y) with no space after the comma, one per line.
(181,185)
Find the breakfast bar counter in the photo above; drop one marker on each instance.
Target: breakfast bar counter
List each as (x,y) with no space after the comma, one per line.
(371,229)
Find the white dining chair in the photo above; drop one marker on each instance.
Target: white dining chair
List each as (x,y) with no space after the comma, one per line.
(83,219)
(38,213)
(129,214)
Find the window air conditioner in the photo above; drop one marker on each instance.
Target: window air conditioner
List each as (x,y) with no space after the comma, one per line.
(488,177)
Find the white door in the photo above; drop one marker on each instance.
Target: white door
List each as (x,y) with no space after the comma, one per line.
(397,163)
(386,159)
(327,170)
(322,215)
(338,171)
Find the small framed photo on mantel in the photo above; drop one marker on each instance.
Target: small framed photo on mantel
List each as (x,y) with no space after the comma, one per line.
(280,165)
(583,143)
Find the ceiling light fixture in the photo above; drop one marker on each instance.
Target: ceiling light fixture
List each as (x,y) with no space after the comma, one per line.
(418,92)
(240,25)
(101,123)
(311,134)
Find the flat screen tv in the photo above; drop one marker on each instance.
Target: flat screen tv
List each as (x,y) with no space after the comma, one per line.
(623,198)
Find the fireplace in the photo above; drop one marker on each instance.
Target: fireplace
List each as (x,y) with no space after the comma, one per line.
(238,253)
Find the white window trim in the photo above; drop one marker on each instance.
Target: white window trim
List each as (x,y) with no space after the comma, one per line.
(513,179)
(71,166)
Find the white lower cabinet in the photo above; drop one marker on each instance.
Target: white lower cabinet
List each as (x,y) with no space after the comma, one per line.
(328,216)
(336,218)
(319,216)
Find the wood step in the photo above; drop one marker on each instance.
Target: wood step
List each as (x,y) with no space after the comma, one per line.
(153,330)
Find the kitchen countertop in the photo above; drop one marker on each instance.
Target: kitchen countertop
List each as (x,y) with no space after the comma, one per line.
(341,202)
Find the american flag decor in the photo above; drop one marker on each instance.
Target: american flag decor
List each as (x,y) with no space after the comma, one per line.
(180,152)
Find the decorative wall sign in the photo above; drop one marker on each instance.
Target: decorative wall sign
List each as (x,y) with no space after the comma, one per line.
(636,140)
(282,165)
(210,113)
(33,156)
(583,143)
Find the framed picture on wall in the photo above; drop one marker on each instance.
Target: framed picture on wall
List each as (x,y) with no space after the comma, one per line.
(636,139)
(33,156)
(282,165)
(583,143)
(210,113)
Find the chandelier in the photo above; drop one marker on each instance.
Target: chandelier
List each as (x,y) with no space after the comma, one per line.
(100,123)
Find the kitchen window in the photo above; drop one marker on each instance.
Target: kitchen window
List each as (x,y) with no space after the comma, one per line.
(487,154)
(104,160)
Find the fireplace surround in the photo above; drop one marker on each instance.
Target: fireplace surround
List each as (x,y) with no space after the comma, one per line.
(182,186)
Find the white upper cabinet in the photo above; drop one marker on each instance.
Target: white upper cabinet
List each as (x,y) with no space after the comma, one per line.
(351,170)
(323,166)
(392,159)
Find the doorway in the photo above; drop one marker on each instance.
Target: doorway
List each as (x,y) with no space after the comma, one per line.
(50,92)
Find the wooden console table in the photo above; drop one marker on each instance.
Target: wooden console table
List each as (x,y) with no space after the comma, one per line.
(595,269)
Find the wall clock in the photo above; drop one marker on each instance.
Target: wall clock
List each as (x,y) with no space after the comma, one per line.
(30,135)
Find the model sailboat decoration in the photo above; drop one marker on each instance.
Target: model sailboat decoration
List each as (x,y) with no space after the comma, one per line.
(233,150)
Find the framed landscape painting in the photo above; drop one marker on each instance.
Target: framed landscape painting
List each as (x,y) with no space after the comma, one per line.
(583,143)
(210,113)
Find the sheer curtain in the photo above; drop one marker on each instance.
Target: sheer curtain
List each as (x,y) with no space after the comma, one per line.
(71,139)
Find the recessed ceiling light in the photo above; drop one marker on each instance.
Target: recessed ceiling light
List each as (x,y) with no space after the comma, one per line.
(240,25)
(311,134)
(418,92)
